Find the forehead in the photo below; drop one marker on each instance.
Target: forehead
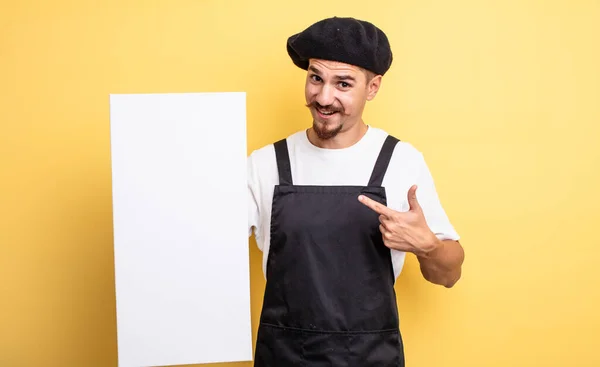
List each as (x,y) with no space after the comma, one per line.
(333,66)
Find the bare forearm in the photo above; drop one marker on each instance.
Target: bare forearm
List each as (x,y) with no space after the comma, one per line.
(443,265)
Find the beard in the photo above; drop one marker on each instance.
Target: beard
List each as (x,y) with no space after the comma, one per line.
(324,128)
(324,131)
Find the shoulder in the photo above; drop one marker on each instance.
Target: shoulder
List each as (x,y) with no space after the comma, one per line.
(405,153)
(261,155)
(407,163)
(263,158)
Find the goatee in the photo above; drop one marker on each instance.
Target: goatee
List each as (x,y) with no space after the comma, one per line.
(323,133)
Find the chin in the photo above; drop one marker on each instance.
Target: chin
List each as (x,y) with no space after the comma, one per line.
(325,130)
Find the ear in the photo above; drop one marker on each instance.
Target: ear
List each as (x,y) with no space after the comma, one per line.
(373,87)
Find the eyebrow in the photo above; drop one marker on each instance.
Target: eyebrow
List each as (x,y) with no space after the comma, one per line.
(345,77)
(314,70)
(338,77)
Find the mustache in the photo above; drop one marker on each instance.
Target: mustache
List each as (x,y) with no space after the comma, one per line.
(329,108)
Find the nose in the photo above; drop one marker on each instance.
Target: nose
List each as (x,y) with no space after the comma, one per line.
(326,96)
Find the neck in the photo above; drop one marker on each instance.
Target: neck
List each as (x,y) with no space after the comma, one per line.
(343,139)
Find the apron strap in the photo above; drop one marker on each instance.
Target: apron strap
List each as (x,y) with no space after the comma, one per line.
(383,160)
(283,162)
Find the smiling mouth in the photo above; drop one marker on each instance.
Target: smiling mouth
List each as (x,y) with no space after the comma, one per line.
(325,113)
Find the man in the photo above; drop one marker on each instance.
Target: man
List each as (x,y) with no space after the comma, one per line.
(336,207)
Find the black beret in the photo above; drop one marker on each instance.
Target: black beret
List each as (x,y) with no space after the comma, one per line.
(346,40)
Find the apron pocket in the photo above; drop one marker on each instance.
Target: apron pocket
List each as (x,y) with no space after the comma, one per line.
(382,349)
(278,347)
(354,349)
(284,347)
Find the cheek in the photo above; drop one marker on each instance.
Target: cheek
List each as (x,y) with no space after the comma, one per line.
(310,91)
(346,101)
(353,102)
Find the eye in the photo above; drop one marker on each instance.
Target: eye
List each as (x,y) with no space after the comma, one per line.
(345,85)
(316,78)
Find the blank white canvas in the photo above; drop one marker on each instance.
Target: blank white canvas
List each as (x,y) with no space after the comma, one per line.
(180,228)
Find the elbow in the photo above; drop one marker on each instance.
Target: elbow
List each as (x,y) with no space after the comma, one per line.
(446,280)
(451,280)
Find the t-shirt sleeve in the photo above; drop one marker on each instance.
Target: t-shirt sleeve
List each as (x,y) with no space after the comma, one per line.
(253,198)
(429,200)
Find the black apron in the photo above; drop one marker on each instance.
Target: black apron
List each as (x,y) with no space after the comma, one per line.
(329,297)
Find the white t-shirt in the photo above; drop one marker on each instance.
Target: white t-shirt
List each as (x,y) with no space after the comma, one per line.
(312,165)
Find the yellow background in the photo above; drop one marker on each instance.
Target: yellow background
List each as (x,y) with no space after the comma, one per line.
(502,97)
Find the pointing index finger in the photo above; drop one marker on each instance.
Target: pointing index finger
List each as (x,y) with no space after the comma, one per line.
(375,206)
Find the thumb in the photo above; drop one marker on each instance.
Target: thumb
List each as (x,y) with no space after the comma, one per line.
(413,203)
